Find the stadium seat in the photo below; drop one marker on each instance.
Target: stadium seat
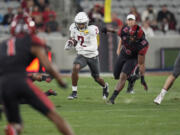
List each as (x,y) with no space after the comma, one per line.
(13,4)
(139,3)
(3,11)
(3,5)
(152,2)
(176,3)
(126,3)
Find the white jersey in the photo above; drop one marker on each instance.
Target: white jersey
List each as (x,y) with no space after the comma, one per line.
(87,42)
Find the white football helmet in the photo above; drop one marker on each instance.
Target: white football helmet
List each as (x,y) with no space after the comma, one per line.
(81,21)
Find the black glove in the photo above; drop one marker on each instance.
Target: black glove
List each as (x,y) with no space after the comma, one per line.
(143,82)
(134,78)
(63,85)
(104,30)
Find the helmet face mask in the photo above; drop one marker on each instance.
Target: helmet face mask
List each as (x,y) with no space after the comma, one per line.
(81,21)
(81,26)
(22,24)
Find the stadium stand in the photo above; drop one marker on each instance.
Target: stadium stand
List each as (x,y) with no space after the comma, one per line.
(122,7)
(28,6)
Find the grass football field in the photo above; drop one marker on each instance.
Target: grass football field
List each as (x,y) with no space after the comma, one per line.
(133,114)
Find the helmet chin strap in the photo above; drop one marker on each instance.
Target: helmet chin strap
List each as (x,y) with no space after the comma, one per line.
(85,30)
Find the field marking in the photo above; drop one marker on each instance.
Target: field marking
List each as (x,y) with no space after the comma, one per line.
(123,110)
(106,74)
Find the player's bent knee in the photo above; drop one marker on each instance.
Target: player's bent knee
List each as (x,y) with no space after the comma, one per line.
(76,68)
(116,76)
(123,77)
(175,74)
(96,78)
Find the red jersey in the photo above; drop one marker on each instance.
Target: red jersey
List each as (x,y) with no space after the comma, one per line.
(133,48)
(15,53)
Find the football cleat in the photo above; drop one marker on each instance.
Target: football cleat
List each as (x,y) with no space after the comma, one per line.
(10,130)
(111,102)
(106,91)
(51,92)
(158,99)
(132,79)
(73,95)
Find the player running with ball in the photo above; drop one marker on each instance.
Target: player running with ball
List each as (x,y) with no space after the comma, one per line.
(85,39)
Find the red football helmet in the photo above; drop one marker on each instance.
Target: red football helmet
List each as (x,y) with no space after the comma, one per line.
(22,23)
(136,32)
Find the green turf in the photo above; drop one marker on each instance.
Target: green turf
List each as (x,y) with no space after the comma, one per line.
(89,115)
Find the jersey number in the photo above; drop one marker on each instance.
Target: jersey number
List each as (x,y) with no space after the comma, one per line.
(11,51)
(81,39)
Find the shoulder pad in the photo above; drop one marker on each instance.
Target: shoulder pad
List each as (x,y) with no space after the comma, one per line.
(93,29)
(37,41)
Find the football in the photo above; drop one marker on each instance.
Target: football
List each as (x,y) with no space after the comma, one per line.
(73,41)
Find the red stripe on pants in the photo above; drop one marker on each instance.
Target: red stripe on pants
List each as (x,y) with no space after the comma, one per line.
(40,95)
(11,47)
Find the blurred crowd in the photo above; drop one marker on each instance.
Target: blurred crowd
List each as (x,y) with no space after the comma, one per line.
(41,12)
(150,19)
(45,17)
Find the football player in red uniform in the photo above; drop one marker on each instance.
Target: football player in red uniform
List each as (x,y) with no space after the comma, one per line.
(16,53)
(131,52)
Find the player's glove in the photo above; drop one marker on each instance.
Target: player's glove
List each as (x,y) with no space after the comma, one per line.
(143,82)
(46,78)
(135,75)
(63,85)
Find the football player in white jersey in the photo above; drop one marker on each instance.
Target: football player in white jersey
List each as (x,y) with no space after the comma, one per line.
(85,40)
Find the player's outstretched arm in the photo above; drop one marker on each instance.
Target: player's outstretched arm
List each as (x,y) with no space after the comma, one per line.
(119,47)
(42,56)
(105,30)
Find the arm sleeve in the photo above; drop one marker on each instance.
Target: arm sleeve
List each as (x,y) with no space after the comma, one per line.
(143,51)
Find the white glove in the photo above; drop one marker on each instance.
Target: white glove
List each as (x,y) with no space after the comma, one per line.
(69,45)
